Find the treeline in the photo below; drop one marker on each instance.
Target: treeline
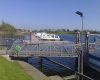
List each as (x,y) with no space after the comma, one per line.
(8,30)
(58,31)
(66,31)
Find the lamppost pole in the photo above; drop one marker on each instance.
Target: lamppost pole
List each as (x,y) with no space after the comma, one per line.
(81,54)
(81,15)
(82,23)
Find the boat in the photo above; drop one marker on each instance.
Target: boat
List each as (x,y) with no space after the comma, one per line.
(94,56)
(50,37)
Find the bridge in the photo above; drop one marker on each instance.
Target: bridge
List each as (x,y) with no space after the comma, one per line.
(45,49)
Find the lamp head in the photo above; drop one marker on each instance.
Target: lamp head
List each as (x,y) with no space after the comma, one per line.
(79,13)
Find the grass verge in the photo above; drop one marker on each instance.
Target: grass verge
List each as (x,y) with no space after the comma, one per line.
(12,71)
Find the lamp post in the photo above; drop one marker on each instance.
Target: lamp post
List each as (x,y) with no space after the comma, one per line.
(81,15)
(80,59)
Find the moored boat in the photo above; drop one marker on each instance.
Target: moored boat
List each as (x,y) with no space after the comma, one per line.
(45,36)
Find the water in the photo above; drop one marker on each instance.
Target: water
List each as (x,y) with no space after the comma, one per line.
(50,68)
(72,38)
(88,71)
(92,73)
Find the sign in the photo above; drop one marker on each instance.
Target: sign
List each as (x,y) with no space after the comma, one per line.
(17,48)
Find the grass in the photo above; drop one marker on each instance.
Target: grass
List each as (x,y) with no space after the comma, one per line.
(12,71)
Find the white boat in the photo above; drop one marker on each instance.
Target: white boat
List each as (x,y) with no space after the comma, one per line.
(45,36)
(94,57)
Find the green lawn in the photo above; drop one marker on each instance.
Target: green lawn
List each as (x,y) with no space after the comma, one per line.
(12,71)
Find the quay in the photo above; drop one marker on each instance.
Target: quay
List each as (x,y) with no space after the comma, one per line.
(45,49)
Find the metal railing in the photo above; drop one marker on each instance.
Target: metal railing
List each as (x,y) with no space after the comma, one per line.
(82,76)
(45,49)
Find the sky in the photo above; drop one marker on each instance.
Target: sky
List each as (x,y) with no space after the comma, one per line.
(50,14)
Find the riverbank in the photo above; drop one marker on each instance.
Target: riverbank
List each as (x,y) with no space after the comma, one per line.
(12,71)
(38,75)
(20,70)
(33,72)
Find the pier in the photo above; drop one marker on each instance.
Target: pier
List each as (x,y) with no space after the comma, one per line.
(49,49)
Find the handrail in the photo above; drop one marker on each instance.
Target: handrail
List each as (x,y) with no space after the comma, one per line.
(83,76)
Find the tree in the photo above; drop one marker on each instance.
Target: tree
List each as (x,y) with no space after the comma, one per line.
(68,30)
(75,30)
(7,29)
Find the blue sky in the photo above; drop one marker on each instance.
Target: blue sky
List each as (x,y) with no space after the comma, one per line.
(53,14)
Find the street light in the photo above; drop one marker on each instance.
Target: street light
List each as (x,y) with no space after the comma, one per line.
(81,15)
(80,64)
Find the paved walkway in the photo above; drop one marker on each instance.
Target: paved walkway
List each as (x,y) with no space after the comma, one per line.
(33,72)
(7,57)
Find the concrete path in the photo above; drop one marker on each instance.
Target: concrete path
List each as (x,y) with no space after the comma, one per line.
(55,77)
(7,57)
(33,72)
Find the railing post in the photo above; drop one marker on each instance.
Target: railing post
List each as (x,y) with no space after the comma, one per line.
(50,50)
(87,42)
(38,49)
(40,62)
(77,37)
(80,54)
(79,63)
(86,48)
(61,51)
